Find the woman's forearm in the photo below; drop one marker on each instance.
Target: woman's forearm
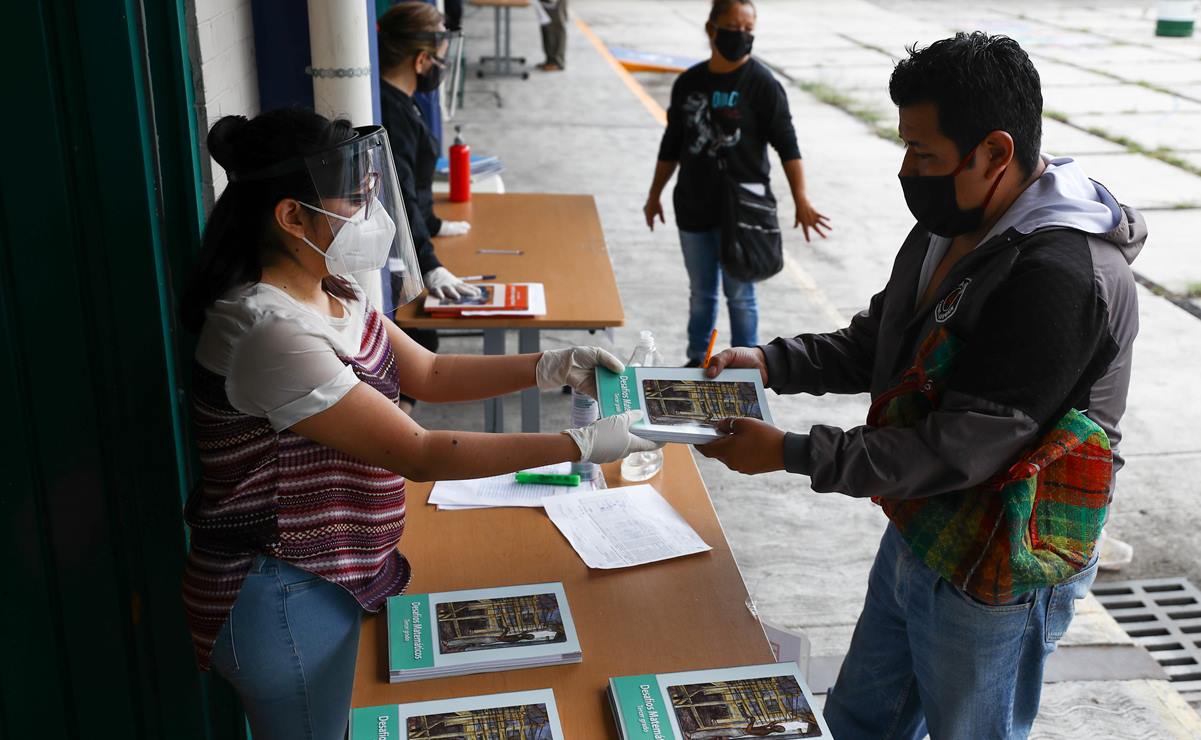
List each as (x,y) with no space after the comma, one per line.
(794,170)
(473,377)
(663,172)
(450,455)
(371,428)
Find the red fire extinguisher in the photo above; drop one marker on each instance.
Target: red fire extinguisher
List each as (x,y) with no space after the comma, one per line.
(460,169)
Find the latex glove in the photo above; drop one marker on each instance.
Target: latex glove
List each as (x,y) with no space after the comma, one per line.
(453,228)
(442,283)
(574,366)
(609,439)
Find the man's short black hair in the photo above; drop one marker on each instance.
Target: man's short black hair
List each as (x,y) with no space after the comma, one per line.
(979,83)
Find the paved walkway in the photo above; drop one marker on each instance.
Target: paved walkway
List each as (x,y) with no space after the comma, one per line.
(805,556)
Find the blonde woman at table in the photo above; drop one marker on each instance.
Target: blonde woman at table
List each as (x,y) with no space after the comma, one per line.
(303,447)
(725,109)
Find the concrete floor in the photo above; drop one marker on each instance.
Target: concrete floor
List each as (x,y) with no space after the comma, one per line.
(805,556)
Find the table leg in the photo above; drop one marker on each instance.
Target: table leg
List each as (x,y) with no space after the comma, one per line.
(508,43)
(496,38)
(528,342)
(494,408)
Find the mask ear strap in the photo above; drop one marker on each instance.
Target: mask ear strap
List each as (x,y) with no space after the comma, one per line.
(993,189)
(338,216)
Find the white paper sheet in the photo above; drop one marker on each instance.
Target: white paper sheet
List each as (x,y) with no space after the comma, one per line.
(503,490)
(623,527)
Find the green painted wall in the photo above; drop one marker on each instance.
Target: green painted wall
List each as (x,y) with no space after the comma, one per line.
(99,218)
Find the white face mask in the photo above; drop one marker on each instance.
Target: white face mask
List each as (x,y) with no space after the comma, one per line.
(362,244)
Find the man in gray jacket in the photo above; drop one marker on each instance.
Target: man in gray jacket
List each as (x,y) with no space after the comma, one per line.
(1023,263)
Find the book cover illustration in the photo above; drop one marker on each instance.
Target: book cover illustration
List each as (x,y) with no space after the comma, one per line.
(773,706)
(768,700)
(483,299)
(492,297)
(521,722)
(518,715)
(681,404)
(690,403)
(478,630)
(500,623)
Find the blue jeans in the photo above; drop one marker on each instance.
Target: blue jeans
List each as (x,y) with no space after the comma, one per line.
(289,650)
(701,258)
(925,657)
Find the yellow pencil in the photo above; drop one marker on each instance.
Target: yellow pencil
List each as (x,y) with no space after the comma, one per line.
(709,352)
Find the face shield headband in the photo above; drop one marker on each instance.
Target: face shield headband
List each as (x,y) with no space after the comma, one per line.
(359,197)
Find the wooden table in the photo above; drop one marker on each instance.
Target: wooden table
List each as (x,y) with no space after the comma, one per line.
(563,248)
(682,614)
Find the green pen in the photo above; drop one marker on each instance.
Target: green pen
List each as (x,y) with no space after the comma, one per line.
(549,479)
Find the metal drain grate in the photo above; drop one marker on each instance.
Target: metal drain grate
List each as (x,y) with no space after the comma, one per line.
(1163,615)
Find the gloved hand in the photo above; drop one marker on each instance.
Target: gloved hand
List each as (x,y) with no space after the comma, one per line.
(574,366)
(609,439)
(453,228)
(442,283)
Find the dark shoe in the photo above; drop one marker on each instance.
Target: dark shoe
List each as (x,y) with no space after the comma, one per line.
(549,67)
(692,363)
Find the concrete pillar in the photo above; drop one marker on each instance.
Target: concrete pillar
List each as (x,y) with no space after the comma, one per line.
(339,37)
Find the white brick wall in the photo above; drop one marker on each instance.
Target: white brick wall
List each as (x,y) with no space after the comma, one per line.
(221,41)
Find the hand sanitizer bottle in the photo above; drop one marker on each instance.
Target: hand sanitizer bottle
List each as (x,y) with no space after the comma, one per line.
(643,465)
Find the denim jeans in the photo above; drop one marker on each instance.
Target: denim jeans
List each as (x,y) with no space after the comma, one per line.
(701,258)
(289,650)
(926,657)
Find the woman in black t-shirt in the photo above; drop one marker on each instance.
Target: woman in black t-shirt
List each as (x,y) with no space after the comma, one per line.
(728,107)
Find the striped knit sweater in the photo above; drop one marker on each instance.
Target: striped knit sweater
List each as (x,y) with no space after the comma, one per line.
(282,495)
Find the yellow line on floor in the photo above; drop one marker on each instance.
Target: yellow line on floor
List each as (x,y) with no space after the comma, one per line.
(813,291)
(798,274)
(640,92)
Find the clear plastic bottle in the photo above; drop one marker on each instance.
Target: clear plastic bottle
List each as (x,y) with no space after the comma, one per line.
(643,465)
(583,412)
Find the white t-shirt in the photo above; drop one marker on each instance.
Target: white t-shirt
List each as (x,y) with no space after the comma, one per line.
(279,357)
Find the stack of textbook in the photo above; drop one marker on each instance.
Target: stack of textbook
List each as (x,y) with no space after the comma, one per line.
(681,404)
(520,714)
(481,166)
(491,297)
(479,630)
(769,700)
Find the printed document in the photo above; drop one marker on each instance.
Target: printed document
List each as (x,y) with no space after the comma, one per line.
(623,527)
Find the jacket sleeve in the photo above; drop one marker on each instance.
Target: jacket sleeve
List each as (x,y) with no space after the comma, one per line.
(838,362)
(1032,353)
(404,153)
(433,224)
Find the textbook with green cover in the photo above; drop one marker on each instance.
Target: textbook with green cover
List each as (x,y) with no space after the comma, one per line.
(479,630)
(518,714)
(769,700)
(680,404)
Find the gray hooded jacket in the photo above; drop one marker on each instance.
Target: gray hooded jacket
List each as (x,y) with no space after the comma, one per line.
(1047,309)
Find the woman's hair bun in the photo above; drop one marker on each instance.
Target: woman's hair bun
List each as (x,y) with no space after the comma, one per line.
(223,141)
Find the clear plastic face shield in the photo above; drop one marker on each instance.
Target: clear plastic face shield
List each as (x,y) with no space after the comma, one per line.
(360,202)
(452,87)
(448,56)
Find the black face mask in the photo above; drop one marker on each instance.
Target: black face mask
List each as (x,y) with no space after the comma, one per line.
(931,200)
(429,80)
(733,45)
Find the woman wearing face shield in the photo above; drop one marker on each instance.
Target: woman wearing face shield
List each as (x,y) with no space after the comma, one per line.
(413,45)
(726,109)
(303,447)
